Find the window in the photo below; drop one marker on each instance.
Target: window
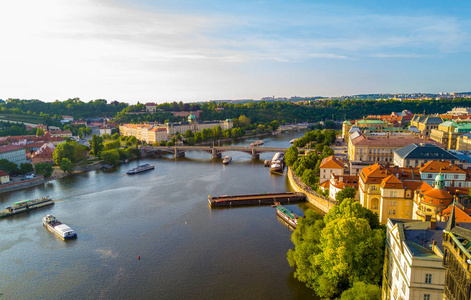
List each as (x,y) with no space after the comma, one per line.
(428,278)
(392,212)
(429,175)
(427,297)
(455,176)
(392,203)
(405,267)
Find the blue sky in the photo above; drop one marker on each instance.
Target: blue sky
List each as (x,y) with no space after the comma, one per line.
(187,51)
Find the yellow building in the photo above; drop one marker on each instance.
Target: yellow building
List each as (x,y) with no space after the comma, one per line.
(4,177)
(425,124)
(429,202)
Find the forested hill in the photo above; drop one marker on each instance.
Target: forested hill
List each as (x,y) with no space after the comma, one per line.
(263,112)
(259,112)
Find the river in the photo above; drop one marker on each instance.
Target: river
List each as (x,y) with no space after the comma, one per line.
(187,250)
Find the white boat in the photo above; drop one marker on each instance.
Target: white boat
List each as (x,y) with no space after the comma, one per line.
(277,167)
(61,230)
(292,141)
(256,143)
(227,159)
(287,215)
(26,205)
(141,168)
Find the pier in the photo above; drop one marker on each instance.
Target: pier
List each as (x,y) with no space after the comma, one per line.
(256,199)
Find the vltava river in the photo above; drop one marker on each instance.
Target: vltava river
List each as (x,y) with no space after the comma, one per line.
(187,250)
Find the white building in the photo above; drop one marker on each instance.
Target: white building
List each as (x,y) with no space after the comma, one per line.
(414,264)
(16,154)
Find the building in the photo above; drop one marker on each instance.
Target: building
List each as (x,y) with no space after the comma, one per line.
(457,259)
(194,125)
(366,150)
(4,177)
(425,124)
(459,111)
(60,133)
(413,266)
(416,154)
(338,183)
(151,107)
(430,201)
(104,130)
(43,154)
(448,132)
(453,175)
(13,153)
(330,165)
(463,142)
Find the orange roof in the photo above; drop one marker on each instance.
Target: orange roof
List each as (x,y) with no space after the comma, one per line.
(460,215)
(413,185)
(391,182)
(3,173)
(331,162)
(437,197)
(374,174)
(405,173)
(440,166)
(325,184)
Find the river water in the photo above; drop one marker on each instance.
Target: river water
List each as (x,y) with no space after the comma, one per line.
(186,249)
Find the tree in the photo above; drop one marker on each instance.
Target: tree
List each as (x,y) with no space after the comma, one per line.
(66,165)
(275,124)
(348,192)
(111,145)
(291,155)
(111,157)
(64,150)
(348,249)
(26,168)
(96,145)
(9,167)
(44,169)
(39,131)
(362,291)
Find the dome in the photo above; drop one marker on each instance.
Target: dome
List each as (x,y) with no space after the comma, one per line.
(191,118)
(439,178)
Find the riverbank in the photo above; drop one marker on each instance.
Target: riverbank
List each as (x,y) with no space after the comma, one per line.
(26,183)
(316,199)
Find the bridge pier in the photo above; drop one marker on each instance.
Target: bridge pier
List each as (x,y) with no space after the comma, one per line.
(215,154)
(179,153)
(255,155)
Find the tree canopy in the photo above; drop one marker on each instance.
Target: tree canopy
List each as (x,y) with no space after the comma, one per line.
(334,252)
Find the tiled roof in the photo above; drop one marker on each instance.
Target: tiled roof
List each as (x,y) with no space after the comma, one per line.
(424,151)
(441,166)
(405,173)
(373,174)
(3,173)
(460,215)
(391,182)
(8,148)
(391,141)
(331,162)
(437,197)
(413,185)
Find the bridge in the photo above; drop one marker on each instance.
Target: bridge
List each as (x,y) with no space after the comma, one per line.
(179,151)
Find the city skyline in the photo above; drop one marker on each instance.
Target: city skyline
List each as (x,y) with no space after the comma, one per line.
(190,51)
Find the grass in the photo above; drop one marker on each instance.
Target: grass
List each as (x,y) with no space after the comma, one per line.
(22,118)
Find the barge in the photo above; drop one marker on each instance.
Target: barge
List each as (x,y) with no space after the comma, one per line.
(26,205)
(61,230)
(141,168)
(255,199)
(287,215)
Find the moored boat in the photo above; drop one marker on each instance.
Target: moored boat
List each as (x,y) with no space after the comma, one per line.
(61,230)
(141,168)
(287,215)
(292,141)
(227,159)
(277,167)
(26,205)
(256,143)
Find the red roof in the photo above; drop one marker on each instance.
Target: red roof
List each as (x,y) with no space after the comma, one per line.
(8,148)
(331,162)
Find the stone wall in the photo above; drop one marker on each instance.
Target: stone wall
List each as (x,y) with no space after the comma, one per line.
(22,184)
(316,199)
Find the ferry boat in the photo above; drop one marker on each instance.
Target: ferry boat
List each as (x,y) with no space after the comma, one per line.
(61,230)
(26,205)
(287,215)
(227,159)
(141,168)
(256,143)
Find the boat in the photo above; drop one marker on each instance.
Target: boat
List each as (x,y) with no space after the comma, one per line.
(227,159)
(277,163)
(292,141)
(256,143)
(26,205)
(141,168)
(61,230)
(287,215)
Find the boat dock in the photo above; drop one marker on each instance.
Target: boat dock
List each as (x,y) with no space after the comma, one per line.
(256,199)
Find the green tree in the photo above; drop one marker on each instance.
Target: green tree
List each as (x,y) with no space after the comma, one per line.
(362,291)
(96,145)
(66,165)
(291,155)
(39,131)
(348,192)
(111,145)
(63,150)
(275,124)
(44,169)
(111,157)
(26,168)
(9,167)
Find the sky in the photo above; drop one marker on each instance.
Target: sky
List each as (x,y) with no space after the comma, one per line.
(201,50)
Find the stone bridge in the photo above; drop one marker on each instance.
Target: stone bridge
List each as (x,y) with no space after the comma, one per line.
(179,151)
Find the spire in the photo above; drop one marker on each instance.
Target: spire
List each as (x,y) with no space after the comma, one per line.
(451,220)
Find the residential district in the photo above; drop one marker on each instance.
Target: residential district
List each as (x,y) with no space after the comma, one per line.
(413,171)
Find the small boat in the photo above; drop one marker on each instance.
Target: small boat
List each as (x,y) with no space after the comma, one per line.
(227,159)
(61,230)
(141,168)
(106,167)
(266,162)
(277,167)
(292,141)
(26,205)
(287,215)
(256,143)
